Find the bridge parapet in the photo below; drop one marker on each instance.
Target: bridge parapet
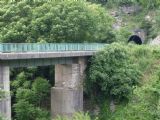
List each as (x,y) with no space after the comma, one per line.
(49,47)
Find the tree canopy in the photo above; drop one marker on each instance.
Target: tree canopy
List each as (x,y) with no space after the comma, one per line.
(54,21)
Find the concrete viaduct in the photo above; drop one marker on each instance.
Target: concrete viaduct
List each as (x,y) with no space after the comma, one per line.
(70,61)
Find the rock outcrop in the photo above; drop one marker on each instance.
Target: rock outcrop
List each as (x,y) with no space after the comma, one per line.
(156,41)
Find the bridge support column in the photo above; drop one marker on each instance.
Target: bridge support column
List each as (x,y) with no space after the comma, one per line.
(67,95)
(5,101)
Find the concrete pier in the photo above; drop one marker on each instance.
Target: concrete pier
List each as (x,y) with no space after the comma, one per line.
(67,95)
(5,103)
(66,101)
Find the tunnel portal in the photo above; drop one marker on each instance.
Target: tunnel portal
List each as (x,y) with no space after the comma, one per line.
(136,39)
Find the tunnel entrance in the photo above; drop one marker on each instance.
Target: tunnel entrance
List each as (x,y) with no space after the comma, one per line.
(136,39)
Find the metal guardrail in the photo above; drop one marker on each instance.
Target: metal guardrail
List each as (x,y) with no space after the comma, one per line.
(48,47)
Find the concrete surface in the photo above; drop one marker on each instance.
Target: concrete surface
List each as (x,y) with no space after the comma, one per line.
(5,103)
(38,55)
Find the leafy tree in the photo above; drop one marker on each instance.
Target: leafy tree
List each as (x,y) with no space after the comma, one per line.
(30,97)
(112,73)
(41,89)
(26,111)
(55,21)
(26,94)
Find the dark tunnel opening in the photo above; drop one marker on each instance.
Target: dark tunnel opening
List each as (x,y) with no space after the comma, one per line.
(136,39)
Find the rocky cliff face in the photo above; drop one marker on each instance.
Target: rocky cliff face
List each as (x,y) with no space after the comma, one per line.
(130,9)
(156,41)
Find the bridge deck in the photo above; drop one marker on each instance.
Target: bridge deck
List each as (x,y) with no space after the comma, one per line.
(36,54)
(39,55)
(13,51)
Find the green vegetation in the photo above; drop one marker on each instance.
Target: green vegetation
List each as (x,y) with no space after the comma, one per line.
(115,72)
(76,116)
(1,117)
(47,21)
(112,72)
(122,80)
(2,95)
(129,78)
(30,98)
(144,104)
(55,21)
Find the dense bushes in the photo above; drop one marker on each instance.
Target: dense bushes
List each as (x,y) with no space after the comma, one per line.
(76,116)
(130,72)
(113,73)
(32,98)
(55,21)
(145,101)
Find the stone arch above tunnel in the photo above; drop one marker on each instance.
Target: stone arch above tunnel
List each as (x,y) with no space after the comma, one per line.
(136,39)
